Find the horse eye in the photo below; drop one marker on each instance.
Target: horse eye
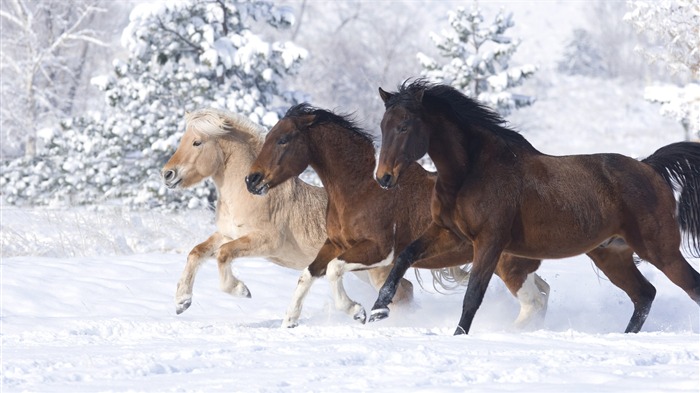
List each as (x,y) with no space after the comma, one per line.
(196,143)
(283,140)
(403,128)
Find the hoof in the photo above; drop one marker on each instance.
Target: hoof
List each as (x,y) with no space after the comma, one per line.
(289,324)
(378,314)
(360,316)
(183,305)
(240,290)
(460,331)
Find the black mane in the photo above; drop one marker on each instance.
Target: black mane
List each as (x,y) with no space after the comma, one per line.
(464,110)
(325,116)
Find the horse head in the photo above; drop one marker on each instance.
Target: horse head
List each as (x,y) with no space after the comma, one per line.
(284,154)
(198,155)
(404,135)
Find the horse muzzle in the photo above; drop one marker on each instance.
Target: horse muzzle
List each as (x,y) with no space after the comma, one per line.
(171,178)
(255,185)
(387,180)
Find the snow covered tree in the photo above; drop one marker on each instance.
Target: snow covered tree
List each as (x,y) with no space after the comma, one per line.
(679,103)
(674,25)
(44,47)
(479,54)
(182,55)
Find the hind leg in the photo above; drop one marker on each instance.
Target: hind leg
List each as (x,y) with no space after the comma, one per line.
(617,263)
(530,289)
(658,242)
(678,270)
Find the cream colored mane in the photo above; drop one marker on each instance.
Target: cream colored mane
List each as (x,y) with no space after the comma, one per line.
(219,122)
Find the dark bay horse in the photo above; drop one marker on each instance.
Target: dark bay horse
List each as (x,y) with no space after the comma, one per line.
(497,191)
(366,225)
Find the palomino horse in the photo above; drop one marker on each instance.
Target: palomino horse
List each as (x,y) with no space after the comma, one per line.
(365,224)
(287,227)
(496,190)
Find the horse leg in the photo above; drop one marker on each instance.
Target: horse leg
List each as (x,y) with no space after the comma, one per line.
(342,301)
(251,244)
(676,268)
(617,263)
(486,255)
(658,241)
(433,241)
(316,269)
(378,276)
(530,289)
(365,253)
(183,294)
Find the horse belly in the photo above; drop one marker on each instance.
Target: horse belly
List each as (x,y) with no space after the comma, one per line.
(557,236)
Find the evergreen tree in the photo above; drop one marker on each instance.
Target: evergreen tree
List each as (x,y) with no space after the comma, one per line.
(582,56)
(479,54)
(182,55)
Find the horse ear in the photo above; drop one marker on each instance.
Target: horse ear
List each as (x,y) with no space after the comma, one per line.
(386,96)
(419,95)
(308,121)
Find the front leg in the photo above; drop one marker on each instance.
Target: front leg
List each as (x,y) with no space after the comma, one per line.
(433,241)
(316,269)
(206,249)
(486,254)
(365,253)
(251,244)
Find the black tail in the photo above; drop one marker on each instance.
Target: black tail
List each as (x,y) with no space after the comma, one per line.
(679,164)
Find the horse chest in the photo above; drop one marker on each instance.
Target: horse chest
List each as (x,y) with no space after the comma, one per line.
(227,223)
(445,213)
(229,227)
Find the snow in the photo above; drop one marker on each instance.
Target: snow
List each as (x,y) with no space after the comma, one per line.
(87,305)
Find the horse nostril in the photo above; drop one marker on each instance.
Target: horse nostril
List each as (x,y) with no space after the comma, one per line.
(168,175)
(253,179)
(385,181)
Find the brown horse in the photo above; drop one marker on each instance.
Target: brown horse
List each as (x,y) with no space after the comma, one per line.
(497,191)
(365,224)
(288,227)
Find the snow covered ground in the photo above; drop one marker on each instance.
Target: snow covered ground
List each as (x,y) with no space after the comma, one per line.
(87,305)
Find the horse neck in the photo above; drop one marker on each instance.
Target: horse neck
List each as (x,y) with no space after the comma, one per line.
(452,155)
(239,153)
(341,159)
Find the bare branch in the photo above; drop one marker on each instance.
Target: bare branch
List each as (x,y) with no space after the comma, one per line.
(87,38)
(12,19)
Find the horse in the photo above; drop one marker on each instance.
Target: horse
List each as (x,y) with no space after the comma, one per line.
(496,190)
(287,227)
(365,224)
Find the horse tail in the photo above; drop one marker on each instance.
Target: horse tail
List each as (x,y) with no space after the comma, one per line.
(679,164)
(448,279)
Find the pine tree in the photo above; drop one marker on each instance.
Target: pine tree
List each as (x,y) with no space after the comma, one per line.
(182,56)
(479,56)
